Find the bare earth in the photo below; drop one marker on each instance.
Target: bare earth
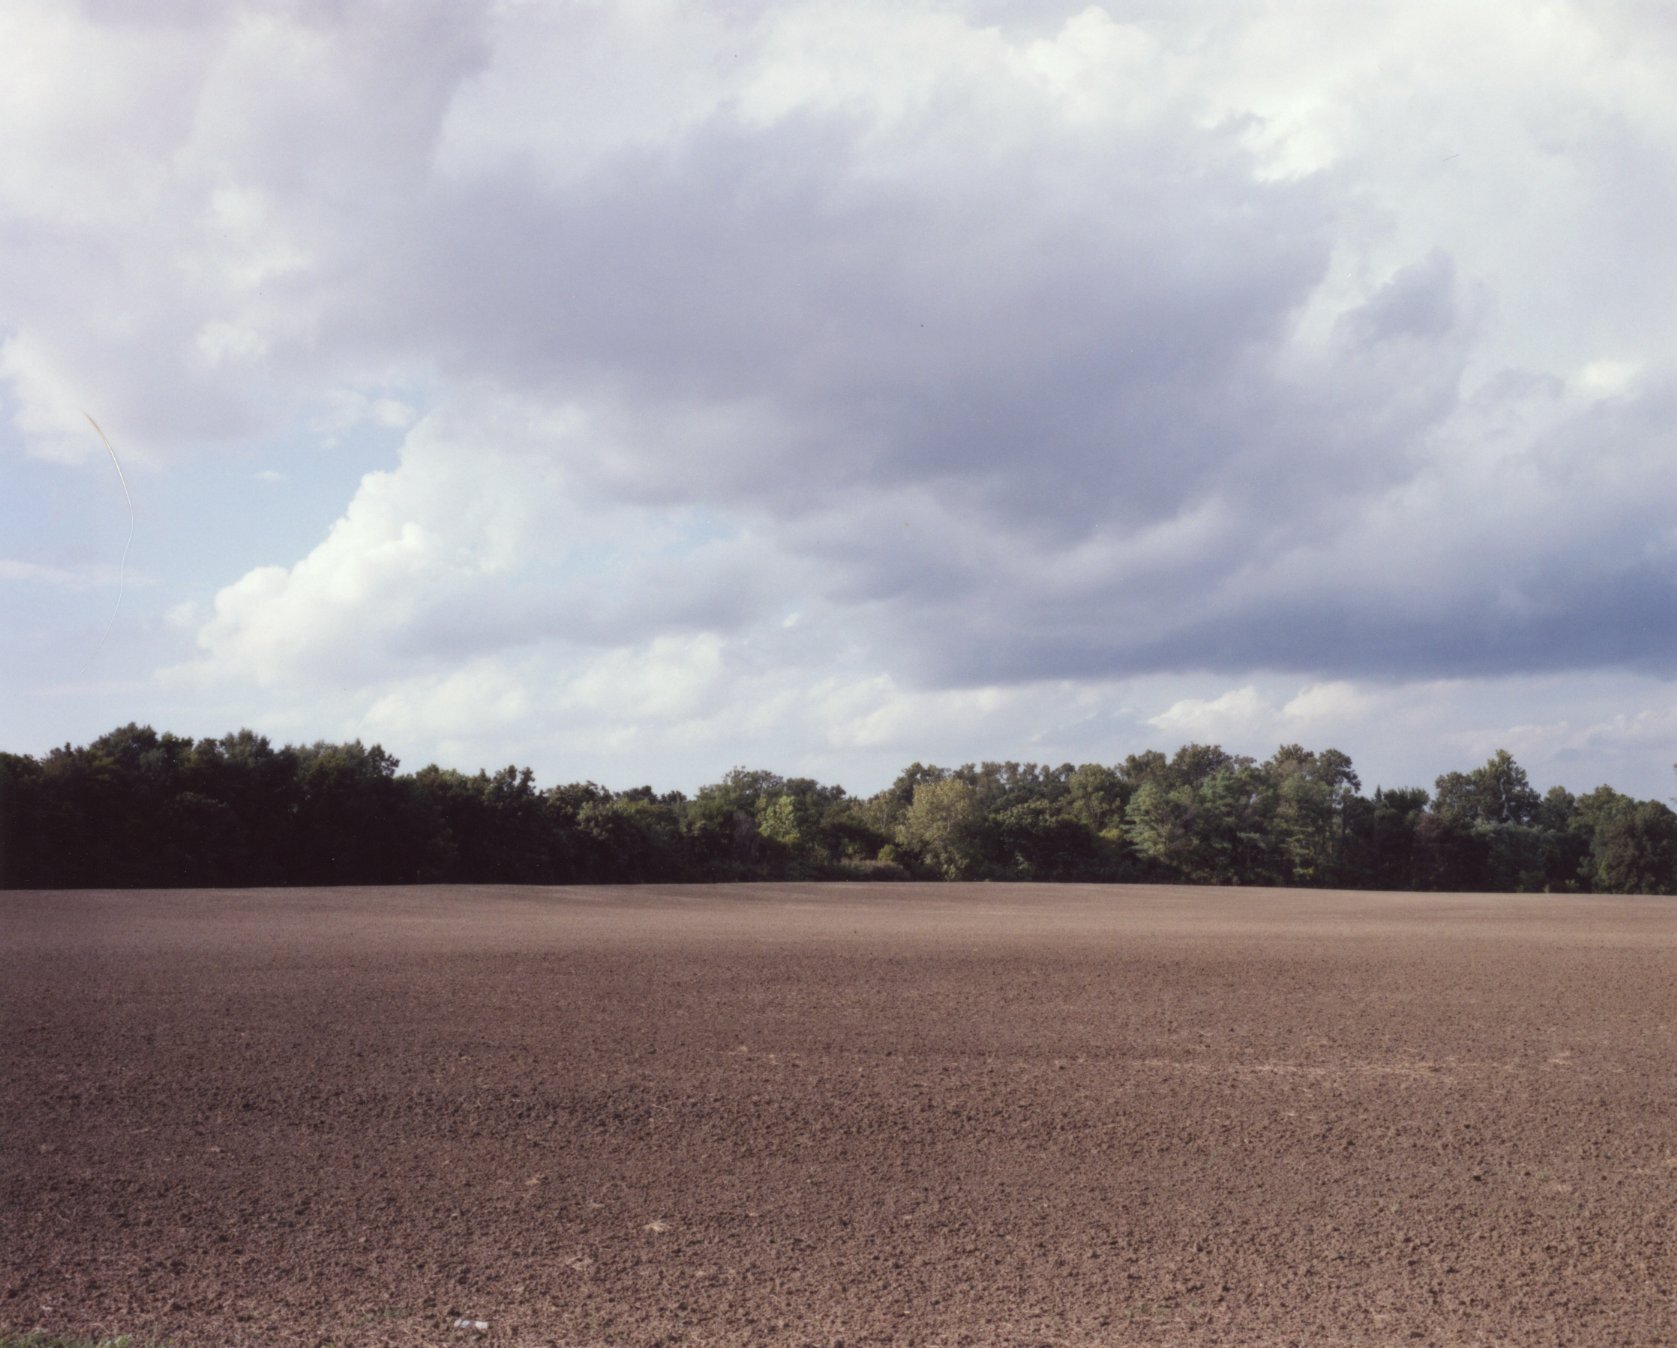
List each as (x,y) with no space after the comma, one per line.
(810,1114)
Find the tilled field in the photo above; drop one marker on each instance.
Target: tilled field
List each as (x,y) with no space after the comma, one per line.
(822,1114)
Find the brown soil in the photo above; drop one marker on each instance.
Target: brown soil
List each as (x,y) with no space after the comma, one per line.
(813,1114)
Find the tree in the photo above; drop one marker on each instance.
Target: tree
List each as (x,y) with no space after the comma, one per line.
(722,822)
(1449,856)
(1193,764)
(1515,858)
(634,839)
(494,829)
(22,862)
(575,844)
(1566,841)
(847,831)
(942,825)
(791,821)
(1002,786)
(258,785)
(1312,792)
(1381,838)
(891,804)
(136,807)
(1031,841)
(1634,848)
(356,823)
(1482,834)
(1159,825)
(1234,827)
(102,806)
(1496,793)
(778,823)
(1095,797)
(200,842)
(1137,769)
(1204,817)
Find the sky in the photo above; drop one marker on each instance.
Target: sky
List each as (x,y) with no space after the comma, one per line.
(637,390)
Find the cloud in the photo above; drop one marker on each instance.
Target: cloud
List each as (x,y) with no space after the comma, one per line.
(1083,367)
(668,679)
(180,199)
(76,578)
(483,697)
(1338,703)
(1027,352)
(481,540)
(1236,714)
(1316,714)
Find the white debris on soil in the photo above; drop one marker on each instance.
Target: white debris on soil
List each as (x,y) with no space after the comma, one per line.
(472,1326)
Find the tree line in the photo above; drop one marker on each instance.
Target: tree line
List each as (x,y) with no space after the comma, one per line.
(140,808)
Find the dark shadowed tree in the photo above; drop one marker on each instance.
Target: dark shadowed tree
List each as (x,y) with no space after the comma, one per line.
(357,824)
(1633,848)
(1566,842)
(1448,856)
(23,862)
(1381,838)
(1483,832)
(106,807)
(1032,841)
(847,832)
(258,785)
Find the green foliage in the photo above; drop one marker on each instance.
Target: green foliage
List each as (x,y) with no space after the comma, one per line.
(848,833)
(1160,824)
(891,804)
(1312,794)
(136,808)
(943,826)
(778,823)
(722,822)
(630,839)
(1208,817)
(1235,844)
(1633,849)
(1496,793)
(1034,841)
(1515,857)
(1448,855)
(1095,798)
(1566,841)
(1381,836)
